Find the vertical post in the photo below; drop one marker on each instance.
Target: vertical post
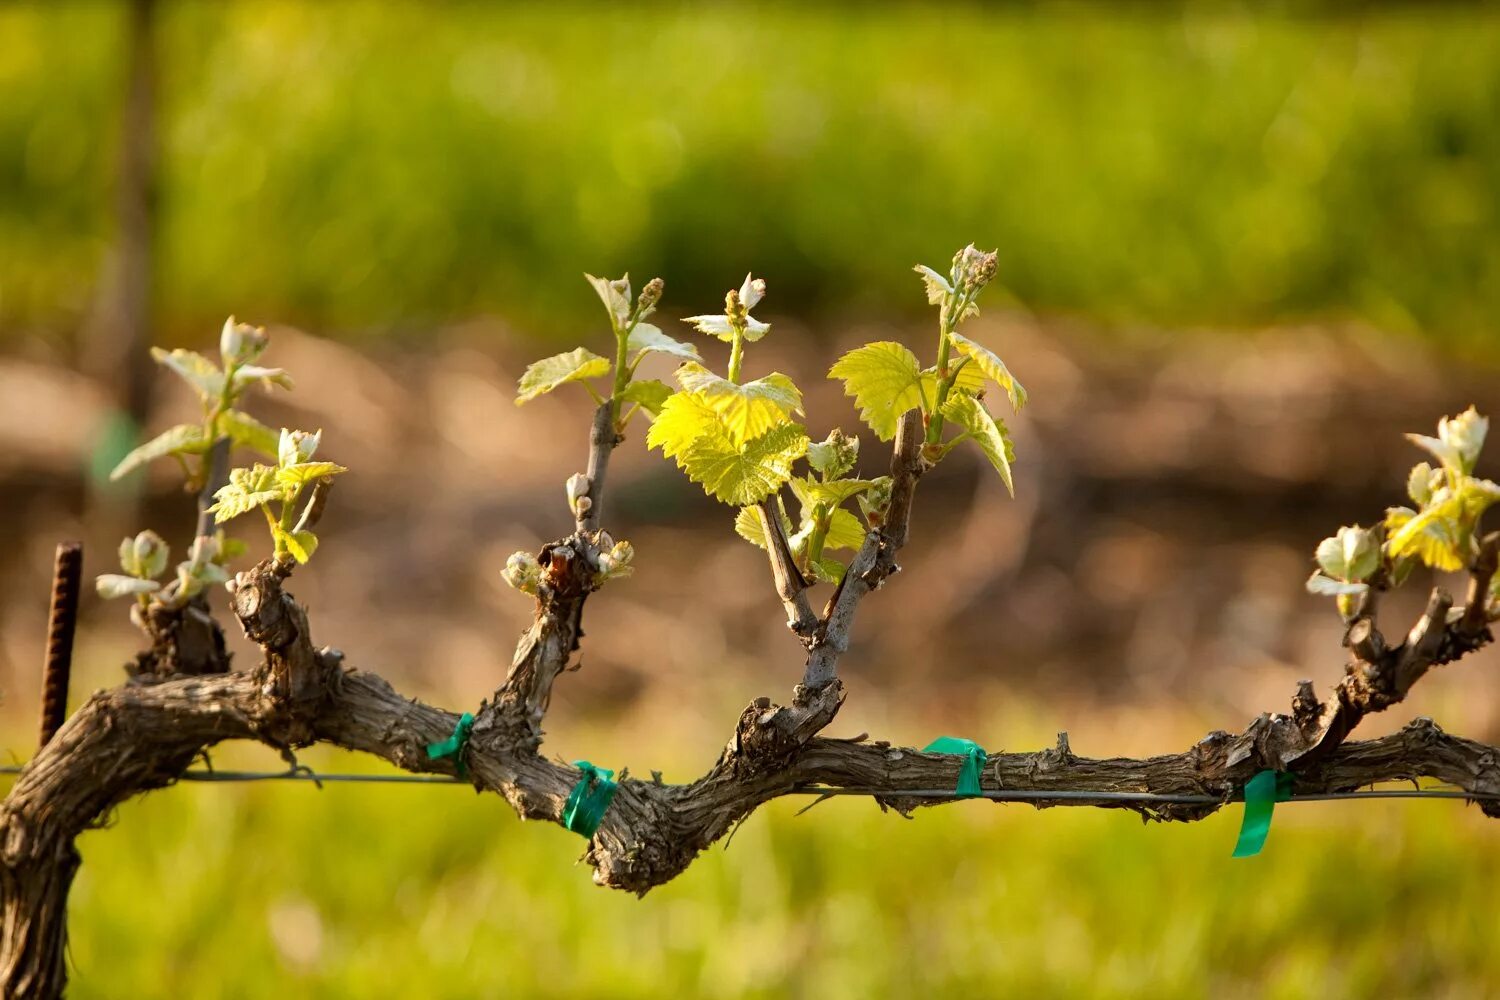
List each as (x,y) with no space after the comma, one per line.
(67,577)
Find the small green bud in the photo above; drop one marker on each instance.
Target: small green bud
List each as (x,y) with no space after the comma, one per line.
(752,291)
(241,343)
(615,563)
(522,572)
(834,456)
(144,556)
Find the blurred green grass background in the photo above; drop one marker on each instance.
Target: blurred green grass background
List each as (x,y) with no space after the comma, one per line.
(383,167)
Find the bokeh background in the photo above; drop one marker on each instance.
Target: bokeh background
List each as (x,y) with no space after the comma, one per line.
(1243,248)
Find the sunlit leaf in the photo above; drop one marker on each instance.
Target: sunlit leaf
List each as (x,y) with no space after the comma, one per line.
(245,430)
(649,393)
(745,410)
(194,369)
(990,434)
(937,286)
(307,472)
(1328,587)
(741,473)
(885,381)
(184,439)
(991,365)
(549,373)
(646,338)
(615,295)
(249,374)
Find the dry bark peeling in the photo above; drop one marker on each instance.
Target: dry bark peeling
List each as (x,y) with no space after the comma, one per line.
(144,734)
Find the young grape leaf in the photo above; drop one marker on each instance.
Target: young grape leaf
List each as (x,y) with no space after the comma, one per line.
(844,531)
(746,410)
(1432,535)
(649,393)
(835,455)
(990,434)
(301,544)
(747,524)
(549,373)
(885,381)
(245,375)
(718,326)
(307,472)
(194,369)
(990,364)
(646,338)
(938,287)
(810,492)
(112,585)
(245,430)
(1329,587)
(615,295)
(184,439)
(741,473)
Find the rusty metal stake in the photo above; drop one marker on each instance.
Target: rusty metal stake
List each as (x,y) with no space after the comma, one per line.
(67,576)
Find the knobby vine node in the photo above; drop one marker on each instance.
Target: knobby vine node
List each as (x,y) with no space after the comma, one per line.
(826,517)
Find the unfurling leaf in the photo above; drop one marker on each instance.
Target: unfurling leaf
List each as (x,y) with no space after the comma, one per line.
(522,572)
(1432,535)
(184,439)
(646,339)
(246,490)
(990,434)
(301,544)
(938,287)
(1422,482)
(297,446)
(885,381)
(835,455)
(1350,555)
(144,556)
(1328,587)
(991,365)
(718,326)
(616,563)
(194,369)
(745,410)
(810,492)
(549,373)
(241,343)
(615,295)
(246,431)
(748,525)
(112,585)
(247,375)
(649,393)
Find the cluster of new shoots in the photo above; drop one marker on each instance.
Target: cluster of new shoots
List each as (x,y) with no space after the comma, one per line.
(144,559)
(219,389)
(1439,532)
(296,486)
(738,438)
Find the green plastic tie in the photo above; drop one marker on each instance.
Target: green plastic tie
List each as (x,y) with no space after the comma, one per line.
(1262,792)
(454,745)
(972,767)
(590,798)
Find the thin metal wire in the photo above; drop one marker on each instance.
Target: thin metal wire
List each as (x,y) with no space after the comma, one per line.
(998,795)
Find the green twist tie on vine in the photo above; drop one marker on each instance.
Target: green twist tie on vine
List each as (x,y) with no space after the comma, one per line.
(454,745)
(590,798)
(972,767)
(1262,792)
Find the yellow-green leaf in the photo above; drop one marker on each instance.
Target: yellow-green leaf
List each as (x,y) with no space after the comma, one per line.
(646,338)
(649,393)
(746,411)
(184,439)
(991,365)
(307,472)
(741,473)
(194,369)
(301,544)
(245,430)
(885,381)
(990,434)
(549,373)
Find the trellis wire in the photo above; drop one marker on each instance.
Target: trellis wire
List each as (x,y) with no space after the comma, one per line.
(998,795)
